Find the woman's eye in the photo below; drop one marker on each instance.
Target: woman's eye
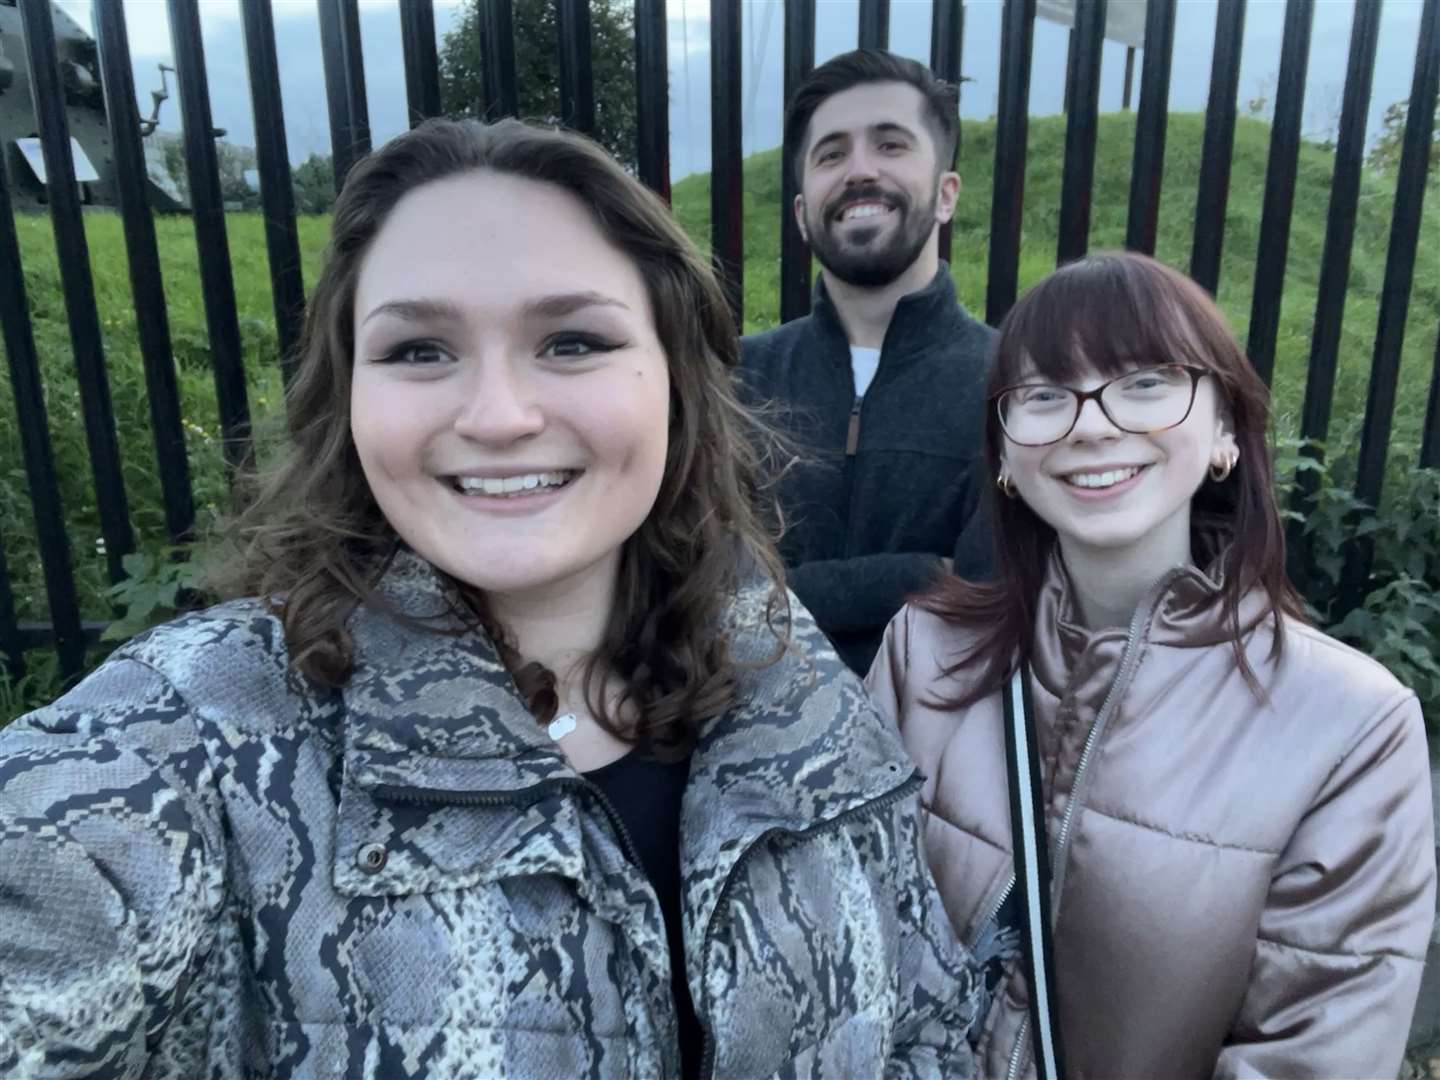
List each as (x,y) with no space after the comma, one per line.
(573,345)
(418,353)
(1159,379)
(1044,395)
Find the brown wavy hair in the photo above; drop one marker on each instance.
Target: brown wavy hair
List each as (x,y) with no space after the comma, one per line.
(313,539)
(1114,311)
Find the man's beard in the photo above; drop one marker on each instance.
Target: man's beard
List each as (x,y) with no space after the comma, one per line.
(860,260)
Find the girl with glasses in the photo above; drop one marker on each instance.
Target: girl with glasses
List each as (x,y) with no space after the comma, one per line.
(1235,807)
(517,762)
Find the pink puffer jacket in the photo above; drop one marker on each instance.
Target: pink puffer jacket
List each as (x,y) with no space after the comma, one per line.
(1239,889)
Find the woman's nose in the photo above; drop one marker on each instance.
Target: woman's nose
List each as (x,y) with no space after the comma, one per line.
(500,405)
(1092,423)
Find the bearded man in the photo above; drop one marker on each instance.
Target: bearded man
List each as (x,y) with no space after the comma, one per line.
(881,386)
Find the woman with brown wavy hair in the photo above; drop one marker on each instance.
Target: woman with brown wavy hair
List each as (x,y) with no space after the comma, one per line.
(1234,807)
(517,762)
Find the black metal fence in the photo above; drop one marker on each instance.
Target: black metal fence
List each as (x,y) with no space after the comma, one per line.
(350,133)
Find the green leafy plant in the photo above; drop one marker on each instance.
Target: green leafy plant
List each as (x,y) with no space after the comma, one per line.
(40,685)
(1398,620)
(158,588)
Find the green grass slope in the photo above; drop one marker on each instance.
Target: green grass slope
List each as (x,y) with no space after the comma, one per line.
(1115,140)
(691,200)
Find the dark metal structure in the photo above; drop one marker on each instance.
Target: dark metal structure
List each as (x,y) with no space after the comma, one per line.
(1214,193)
(73,254)
(727,211)
(1280,186)
(1082,92)
(794,252)
(84,87)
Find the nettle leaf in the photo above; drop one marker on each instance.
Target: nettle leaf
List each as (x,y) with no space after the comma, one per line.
(1330,564)
(138,564)
(168,594)
(1356,626)
(118,630)
(1419,656)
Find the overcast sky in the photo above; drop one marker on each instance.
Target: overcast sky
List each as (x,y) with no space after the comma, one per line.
(303,83)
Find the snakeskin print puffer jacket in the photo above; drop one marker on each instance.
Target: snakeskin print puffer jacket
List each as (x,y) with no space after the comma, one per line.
(211,869)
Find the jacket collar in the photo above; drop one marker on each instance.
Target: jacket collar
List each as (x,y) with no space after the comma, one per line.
(1182,609)
(921,318)
(434,716)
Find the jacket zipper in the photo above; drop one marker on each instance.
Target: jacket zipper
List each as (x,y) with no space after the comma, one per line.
(852,435)
(434,796)
(994,909)
(707,1057)
(627,842)
(1014,1066)
(1142,615)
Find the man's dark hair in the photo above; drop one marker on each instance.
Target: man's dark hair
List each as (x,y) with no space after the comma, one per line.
(873,66)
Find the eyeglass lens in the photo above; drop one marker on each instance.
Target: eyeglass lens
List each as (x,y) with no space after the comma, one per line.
(1144,401)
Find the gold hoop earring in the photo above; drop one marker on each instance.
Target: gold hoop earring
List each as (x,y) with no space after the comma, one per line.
(1221,472)
(1006,486)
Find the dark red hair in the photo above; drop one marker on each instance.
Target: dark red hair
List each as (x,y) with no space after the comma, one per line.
(1113,312)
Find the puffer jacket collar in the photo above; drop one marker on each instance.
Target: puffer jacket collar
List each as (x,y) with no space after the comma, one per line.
(1182,609)
(435,717)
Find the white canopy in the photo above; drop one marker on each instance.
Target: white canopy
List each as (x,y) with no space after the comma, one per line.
(1124,19)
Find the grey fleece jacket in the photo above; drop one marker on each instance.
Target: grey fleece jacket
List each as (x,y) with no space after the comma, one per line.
(890,484)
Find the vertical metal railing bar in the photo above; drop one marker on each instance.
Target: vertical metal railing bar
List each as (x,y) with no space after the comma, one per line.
(73,254)
(1430,444)
(1219,145)
(497,58)
(947,31)
(1017,30)
(422,63)
(152,325)
(344,85)
(211,240)
(1147,170)
(1335,260)
(35,446)
(727,214)
(794,252)
(577,77)
(652,97)
(277,195)
(1279,200)
(874,28)
(1125,93)
(1083,92)
(1405,224)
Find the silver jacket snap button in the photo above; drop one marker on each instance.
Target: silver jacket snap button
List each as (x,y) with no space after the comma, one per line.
(371,858)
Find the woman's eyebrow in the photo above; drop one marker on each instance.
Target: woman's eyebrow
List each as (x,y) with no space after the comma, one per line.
(559,305)
(418,311)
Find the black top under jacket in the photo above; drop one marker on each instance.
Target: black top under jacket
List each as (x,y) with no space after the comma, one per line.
(889,483)
(646,795)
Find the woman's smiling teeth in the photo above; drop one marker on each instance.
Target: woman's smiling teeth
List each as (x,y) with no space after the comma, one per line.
(1105,479)
(519,485)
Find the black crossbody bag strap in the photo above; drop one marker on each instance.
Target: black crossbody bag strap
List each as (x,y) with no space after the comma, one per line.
(1032,873)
